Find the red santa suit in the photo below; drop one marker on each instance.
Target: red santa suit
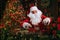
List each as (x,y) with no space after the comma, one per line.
(36,20)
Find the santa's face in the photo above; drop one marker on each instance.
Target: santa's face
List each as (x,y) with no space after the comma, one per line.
(34,11)
(35,15)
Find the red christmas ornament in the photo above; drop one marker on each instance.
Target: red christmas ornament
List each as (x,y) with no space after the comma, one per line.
(54,32)
(2,26)
(58,26)
(54,24)
(58,19)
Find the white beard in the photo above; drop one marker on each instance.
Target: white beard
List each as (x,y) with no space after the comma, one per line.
(35,18)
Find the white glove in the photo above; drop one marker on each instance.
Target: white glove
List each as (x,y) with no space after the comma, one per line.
(26,25)
(46,21)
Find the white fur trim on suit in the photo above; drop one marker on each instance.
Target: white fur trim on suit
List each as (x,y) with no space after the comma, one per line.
(25,24)
(46,21)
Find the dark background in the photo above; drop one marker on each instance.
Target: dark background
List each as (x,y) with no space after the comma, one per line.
(2,7)
(58,8)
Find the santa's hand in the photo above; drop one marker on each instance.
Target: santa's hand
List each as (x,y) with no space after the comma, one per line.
(46,21)
(26,25)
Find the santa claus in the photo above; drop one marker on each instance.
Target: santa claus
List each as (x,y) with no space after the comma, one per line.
(35,19)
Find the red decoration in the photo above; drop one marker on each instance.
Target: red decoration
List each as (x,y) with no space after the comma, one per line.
(54,32)
(58,26)
(2,26)
(54,24)
(58,20)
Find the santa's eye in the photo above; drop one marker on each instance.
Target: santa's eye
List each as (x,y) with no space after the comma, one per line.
(34,11)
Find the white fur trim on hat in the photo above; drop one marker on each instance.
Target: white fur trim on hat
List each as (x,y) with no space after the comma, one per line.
(33,8)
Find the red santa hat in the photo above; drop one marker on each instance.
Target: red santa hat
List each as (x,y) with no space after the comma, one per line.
(33,8)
